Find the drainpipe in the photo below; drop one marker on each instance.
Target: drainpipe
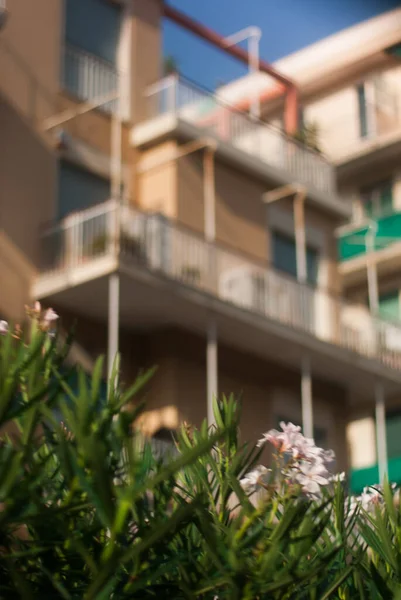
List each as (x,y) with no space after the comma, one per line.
(217,40)
(210,236)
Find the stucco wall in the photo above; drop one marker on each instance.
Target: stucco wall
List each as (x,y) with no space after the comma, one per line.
(267,390)
(17,274)
(336,113)
(30,56)
(28,175)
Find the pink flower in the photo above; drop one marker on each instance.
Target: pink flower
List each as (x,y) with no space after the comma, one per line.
(3,327)
(49,317)
(255,480)
(311,477)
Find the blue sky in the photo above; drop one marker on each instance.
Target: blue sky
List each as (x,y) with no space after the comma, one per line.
(287,26)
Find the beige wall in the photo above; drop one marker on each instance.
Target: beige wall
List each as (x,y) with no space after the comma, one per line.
(240,214)
(146,53)
(17,274)
(156,183)
(28,179)
(336,113)
(30,56)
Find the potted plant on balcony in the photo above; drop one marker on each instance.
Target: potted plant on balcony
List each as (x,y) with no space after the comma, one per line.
(191,274)
(308,134)
(132,246)
(170,66)
(94,246)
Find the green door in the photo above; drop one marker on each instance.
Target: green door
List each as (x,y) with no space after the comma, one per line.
(378,200)
(389,306)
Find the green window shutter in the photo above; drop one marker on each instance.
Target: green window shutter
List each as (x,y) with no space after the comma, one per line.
(79,189)
(94,26)
(285,257)
(386,198)
(378,199)
(389,306)
(362,109)
(368,205)
(393,429)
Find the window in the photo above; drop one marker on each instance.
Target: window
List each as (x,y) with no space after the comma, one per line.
(362,110)
(389,306)
(393,431)
(94,26)
(284,257)
(79,189)
(395,50)
(378,200)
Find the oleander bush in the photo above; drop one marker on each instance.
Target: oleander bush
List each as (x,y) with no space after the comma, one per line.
(87,511)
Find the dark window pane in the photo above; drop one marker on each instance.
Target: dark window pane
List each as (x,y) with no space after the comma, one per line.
(79,189)
(284,257)
(363,117)
(94,26)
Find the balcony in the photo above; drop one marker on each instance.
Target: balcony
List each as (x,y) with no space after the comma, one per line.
(90,244)
(89,78)
(204,113)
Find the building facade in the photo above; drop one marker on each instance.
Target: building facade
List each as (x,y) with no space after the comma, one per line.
(185,234)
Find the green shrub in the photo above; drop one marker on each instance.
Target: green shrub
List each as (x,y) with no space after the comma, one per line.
(87,510)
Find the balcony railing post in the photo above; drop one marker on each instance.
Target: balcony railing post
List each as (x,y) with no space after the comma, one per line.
(172,92)
(381,437)
(211,368)
(306,397)
(113,323)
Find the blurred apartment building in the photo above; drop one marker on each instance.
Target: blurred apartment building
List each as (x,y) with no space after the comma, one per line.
(244,241)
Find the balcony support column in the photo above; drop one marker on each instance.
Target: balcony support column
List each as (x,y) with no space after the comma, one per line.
(300,238)
(113,321)
(306,398)
(209,200)
(211,369)
(381,438)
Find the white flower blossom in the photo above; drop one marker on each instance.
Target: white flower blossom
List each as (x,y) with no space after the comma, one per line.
(302,462)
(50,316)
(3,327)
(338,477)
(283,440)
(311,476)
(254,480)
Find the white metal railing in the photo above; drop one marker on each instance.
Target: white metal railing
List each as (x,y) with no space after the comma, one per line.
(268,143)
(88,77)
(154,242)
